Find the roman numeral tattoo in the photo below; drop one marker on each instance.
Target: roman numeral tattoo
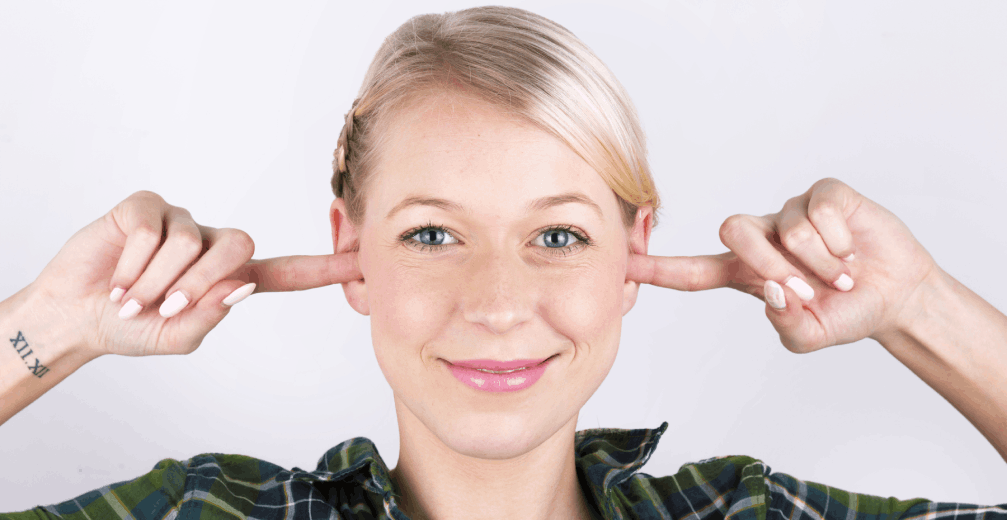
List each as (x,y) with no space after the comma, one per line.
(38,369)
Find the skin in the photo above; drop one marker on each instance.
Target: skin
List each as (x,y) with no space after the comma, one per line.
(497,293)
(492,294)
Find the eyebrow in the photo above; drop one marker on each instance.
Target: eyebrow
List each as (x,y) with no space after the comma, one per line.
(565,198)
(446,205)
(535,205)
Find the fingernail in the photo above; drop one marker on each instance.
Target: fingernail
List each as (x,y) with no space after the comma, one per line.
(116,294)
(131,309)
(848,258)
(774,295)
(803,290)
(239,294)
(175,303)
(844,282)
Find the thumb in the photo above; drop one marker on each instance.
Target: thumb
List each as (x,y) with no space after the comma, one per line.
(194,323)
(799,329)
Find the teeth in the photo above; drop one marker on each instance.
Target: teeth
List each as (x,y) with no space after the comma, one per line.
(500,371)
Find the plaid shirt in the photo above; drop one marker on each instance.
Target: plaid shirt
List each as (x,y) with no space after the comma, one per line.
(352,481)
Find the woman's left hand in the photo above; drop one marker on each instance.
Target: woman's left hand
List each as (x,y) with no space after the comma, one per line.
(819,236)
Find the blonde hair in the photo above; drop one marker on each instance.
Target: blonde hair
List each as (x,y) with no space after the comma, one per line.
(511,58)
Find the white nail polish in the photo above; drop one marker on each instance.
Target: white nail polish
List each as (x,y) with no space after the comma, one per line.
(130,309)
(775,295)
(116,294)
(174,304)
(239,294)
(803,290)
(848,258)
(844,282)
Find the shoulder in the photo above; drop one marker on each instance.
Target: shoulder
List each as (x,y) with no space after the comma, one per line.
(222,482)
(350,477)
(743,487)
(734,486)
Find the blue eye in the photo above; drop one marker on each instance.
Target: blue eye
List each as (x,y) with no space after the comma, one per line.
(434,237)
(556,238)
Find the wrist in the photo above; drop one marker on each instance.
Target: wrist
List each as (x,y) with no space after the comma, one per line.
(43,348)
(955,342)
(929,305)
(55,334)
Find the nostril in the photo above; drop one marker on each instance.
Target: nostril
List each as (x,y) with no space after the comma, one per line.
(497,295)
(497,320)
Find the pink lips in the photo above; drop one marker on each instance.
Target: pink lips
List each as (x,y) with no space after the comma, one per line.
(499,376)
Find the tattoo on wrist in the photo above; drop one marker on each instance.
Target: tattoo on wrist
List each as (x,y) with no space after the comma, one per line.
(24,351)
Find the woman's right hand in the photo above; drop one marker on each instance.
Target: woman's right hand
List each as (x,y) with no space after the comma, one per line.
(111,280)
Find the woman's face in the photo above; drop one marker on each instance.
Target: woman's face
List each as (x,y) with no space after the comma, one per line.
(487,241)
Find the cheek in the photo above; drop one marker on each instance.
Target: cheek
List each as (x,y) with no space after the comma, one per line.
(410,303)
(413,302)
(586,303)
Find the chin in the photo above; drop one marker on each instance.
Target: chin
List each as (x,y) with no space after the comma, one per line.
(496,435)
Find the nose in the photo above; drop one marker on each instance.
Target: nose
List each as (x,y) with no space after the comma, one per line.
(499,292)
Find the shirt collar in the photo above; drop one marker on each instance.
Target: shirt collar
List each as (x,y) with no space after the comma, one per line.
(605,458)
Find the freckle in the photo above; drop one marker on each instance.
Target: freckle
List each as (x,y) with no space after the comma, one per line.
(479,382)
(515,381)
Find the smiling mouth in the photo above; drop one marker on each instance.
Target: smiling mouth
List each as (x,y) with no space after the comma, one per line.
(492,366)
(499,376)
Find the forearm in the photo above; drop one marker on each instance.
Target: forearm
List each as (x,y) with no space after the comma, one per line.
(37,352)
(956,342)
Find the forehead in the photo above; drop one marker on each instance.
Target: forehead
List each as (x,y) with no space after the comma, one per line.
(454,146)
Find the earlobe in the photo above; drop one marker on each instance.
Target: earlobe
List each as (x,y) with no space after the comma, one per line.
(346,240)
(629,292)
(639,241)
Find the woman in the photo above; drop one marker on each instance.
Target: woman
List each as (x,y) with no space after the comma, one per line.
(492,216)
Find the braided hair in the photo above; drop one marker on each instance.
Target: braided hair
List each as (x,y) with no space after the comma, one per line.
(340,177)
(529,65)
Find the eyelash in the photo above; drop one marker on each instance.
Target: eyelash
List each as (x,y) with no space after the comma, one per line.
(582,238)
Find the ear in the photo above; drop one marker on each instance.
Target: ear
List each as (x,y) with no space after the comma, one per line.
(345,240)
(639,240)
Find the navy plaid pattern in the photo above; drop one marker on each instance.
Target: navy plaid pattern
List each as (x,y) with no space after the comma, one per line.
(352,482)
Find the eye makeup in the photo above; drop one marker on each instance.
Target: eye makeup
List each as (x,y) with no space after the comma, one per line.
(420,238)
(414,237)
(580,239)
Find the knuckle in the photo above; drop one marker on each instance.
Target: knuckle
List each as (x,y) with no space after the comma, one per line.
(182,211)
(146,196)
(289,276)
(796,237)
(147,234)
(190,244)
(695,276)
(792,205)
(242,242)
(824,209)
(199,279)
(774,265)
(732,227)
(827,181)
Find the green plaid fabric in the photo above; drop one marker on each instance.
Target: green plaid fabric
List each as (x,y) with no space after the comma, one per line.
(351,481)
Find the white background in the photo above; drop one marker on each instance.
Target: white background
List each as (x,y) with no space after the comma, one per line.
(232,111)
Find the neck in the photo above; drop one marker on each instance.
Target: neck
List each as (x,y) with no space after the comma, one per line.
(434,481)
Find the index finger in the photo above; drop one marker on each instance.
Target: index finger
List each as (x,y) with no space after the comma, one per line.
(300,272)
(682,273)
